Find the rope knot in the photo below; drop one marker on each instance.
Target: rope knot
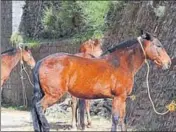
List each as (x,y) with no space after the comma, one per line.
(172,106)
(132,97)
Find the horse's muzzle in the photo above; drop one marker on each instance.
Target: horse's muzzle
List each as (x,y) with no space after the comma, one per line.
(166,66)
(32,67)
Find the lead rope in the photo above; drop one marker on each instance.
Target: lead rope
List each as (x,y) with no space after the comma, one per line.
(24,68)
(172,105)
(25,103)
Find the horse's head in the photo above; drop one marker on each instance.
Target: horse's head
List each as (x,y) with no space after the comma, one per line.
(155,51)
(92,47)
(26,56)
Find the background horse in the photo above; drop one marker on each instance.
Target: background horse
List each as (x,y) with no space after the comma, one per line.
(10,58)
(89,49)
(109,76)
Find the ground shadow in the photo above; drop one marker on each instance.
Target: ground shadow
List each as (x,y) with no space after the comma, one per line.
(15,126)
(60,125)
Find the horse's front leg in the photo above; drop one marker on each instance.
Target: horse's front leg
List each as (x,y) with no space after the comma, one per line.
(118,113)
(73,105)
(88,113)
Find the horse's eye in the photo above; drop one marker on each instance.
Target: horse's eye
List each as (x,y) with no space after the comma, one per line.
(159,46)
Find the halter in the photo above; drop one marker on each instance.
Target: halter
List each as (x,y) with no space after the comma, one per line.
(21,55)
(90,45)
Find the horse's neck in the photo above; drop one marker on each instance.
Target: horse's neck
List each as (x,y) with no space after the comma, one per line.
(129,59)
(137,60)
(14,60)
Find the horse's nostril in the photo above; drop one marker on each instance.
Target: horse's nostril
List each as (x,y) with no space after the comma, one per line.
(169,64)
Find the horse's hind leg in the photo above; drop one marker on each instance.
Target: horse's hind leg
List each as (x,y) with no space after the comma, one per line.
(118,113)
(43,121)
(88,113)
(73,105)
(41,106)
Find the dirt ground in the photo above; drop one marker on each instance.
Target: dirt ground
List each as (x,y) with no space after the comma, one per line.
(16,120)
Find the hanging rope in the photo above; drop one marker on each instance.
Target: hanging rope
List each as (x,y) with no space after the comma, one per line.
(172,105)
(24,68)
(25,103)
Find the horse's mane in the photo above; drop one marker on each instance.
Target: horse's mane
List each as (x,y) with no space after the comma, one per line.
(124,44)
(11,51)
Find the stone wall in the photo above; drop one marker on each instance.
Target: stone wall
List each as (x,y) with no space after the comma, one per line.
(6,24)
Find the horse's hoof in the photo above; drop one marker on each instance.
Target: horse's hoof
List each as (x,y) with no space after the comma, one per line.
(73,129)
(89,125)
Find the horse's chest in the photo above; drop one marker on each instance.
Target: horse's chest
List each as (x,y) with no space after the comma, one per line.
(122,85)
(5,72)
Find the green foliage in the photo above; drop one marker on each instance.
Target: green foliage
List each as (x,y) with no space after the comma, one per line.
(16,38)
(78,19)
(114,13)
(95,12)
(48,19)
(65,21)
(31,42)
(12,107)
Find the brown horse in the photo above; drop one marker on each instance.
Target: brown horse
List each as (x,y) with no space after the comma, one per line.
(109,76)
(10,58)
(89,49)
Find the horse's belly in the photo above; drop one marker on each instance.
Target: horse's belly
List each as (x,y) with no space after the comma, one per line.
(90,86)
(90,92)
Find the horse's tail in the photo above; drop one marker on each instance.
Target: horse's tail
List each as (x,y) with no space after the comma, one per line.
(81,107)
(37,96)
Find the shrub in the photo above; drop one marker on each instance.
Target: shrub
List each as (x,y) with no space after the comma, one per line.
(64,21)
(16,38)
(77,19)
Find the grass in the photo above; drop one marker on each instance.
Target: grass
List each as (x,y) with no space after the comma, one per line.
(12,107)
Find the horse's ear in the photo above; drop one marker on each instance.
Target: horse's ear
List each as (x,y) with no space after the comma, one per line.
(146,35)
(96,42)
(142,32)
